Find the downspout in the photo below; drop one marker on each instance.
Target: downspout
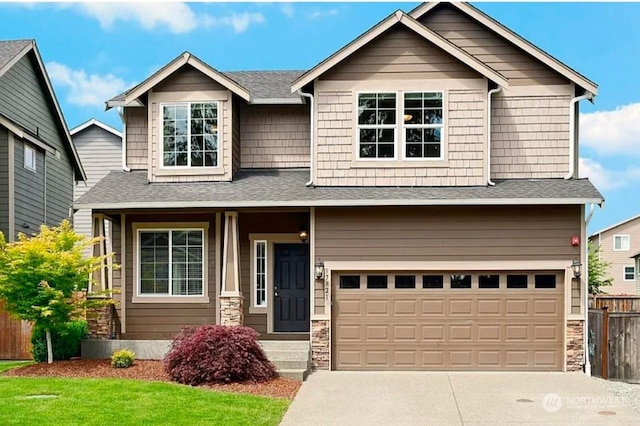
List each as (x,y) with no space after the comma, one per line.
(587,363)
(491,92)
(124,140)
(572,131)
(311,135)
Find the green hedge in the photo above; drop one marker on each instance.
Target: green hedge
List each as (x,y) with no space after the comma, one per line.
(65,341)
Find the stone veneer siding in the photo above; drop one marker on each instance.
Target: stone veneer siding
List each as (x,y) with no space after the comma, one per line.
(575,345)
(320,344)
(231,312)
(100,322)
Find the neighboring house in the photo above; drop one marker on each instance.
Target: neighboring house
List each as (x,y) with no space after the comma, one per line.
(100,149)
(410,203)
(38,161)
(618,244)
(636,263)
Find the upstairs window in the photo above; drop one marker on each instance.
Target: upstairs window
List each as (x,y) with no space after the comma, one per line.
(423,125)
(377,125)
(621,242)
(29,158)
(190,135)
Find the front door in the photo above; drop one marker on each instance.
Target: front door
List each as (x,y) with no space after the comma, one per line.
(291,288)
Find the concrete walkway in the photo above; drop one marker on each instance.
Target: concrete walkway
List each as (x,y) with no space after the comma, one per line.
(456,398)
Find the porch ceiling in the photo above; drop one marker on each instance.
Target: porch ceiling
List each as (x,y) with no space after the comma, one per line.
(279,188)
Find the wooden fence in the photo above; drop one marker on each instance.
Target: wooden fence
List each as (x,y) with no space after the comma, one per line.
(15,336)
(614,345)
(615,303)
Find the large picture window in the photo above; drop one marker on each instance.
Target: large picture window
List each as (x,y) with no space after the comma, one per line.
(171,262)
(190,135)
(376,125)
(423,125)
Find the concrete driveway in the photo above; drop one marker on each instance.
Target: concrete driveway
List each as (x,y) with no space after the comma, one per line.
(456,398)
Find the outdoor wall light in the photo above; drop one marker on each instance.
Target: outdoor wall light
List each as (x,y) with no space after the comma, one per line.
(304,235)
(576,266)
(319,270)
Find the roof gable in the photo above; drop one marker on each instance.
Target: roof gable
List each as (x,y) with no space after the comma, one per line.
(97,123)
(405,20)
(513,38)
(624,222)
(131,97)
(11,52)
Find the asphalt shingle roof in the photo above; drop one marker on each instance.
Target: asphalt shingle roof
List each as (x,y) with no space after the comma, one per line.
(10,48)
(266,84)
(287,188)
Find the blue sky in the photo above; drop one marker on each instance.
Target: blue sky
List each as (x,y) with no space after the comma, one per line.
(96,50)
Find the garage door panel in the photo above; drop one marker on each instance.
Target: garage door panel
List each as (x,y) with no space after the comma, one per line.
(448,329)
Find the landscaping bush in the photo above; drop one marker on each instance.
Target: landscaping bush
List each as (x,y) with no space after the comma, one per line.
(123,358)
(65,341)
(217,354)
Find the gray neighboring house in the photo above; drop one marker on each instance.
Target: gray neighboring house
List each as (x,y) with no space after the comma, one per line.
(100,148)
(38,161)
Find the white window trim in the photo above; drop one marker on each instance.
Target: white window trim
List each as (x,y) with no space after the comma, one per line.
(370,126)
(160,130)
(254,274)
(137,297)
(442,126)
(624,273)
(27,150)
(628,237)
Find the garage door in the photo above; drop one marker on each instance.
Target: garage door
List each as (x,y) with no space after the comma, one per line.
(448,321)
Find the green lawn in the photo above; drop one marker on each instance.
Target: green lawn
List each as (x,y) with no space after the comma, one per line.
(7,365)
(113,401)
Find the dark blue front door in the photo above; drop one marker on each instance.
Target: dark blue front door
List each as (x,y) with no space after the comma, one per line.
(291,288)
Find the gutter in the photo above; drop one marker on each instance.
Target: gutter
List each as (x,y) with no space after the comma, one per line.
(311,136)
(572,132)
(491,92)
(124,140)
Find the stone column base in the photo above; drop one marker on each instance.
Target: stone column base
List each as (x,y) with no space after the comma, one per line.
(575,345)
(320,344)
(100,322)
(231,310)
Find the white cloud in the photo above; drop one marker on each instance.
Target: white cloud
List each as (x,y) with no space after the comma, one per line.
(239,22)
(179,18)
(324,13)
(287,9)
(606,179)
(85,89)
(612,132)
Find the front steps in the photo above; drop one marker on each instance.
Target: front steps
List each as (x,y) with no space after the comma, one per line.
(291,358)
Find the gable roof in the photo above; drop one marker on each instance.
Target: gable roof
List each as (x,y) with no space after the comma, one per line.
(268,87)
(631,219)
(398,17)
(130,97)
(98,123)
(11,52)
(514,38)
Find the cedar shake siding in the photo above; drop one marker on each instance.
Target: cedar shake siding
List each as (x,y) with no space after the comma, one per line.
(187,79)
(275,136)
(519,67)
(432,234)
(137,137)
(158,321)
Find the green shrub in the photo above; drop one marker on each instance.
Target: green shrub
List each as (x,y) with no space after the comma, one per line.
(122,359)
(65,340)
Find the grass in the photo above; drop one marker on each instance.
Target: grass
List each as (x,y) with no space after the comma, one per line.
(115,401)
(8,365)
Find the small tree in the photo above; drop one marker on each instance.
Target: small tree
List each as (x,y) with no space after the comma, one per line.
(39,274)
(598,270)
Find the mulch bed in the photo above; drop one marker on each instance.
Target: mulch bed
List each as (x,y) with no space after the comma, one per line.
(149,371)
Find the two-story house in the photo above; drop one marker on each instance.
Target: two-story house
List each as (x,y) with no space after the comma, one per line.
(38,161)
(410,203)
(618,245)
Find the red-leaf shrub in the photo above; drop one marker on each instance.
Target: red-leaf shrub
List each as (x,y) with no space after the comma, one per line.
(217,354)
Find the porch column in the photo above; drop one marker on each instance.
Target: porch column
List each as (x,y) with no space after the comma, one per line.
(231,299)
(102,277)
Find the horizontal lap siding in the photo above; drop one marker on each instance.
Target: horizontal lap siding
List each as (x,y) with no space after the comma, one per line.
(400,54)
(137,137)
(430,234)
(275,136)
(29,190)
(164,320)
(520,68)
(4,181)
(620,259)
(530,137)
